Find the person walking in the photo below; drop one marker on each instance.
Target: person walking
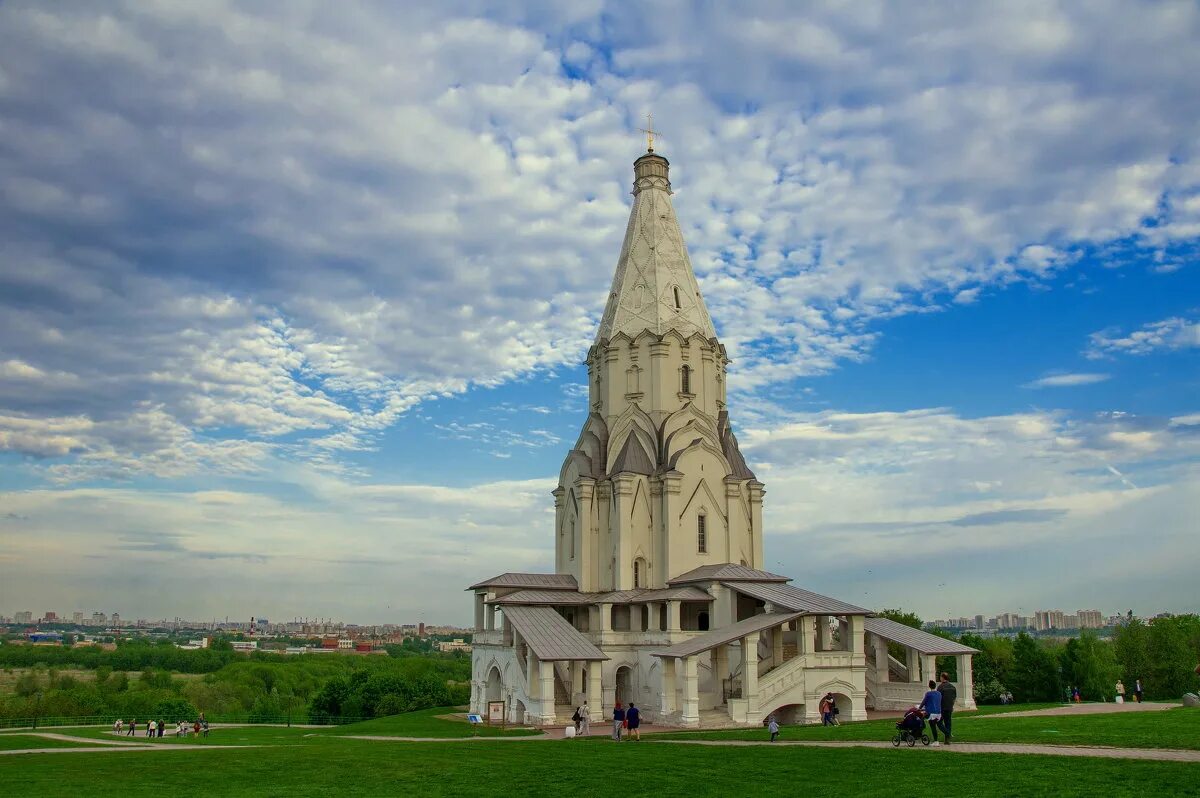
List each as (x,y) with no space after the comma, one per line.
(162,727)
(633,720)
(132,728)
(1120,692)
(931,703)
(585,720)
(151,728)
(1137,690)
(118,725)
(773,727)
(618,722)
(949,694)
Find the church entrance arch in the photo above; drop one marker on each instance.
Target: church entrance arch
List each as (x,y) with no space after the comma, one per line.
(788,714)
(624,684)
(495,685)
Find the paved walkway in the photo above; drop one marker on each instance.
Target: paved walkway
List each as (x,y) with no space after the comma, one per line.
(103,746)
(1158,754)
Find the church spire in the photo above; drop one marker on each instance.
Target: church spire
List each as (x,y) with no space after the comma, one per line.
(654,287)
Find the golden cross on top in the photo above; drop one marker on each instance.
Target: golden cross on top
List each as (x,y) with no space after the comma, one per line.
(650,132)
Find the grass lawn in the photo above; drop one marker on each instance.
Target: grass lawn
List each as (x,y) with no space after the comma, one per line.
(15,742)
(1173,728)
(491,768)
(425,723)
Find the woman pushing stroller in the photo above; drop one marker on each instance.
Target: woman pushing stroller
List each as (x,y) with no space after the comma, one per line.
(931,704)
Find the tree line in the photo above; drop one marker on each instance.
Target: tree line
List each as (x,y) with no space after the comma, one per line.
(1162,653)
(226,685)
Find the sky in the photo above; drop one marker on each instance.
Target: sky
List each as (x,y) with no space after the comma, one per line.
(294,297)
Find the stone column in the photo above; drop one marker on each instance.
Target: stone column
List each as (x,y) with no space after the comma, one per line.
(667,703)
(546,677)
(928,667)
(824,633)
(750,669)
(479,610)
(594,697)
(882,670)
(691,692)
(756,522)
(912,660)
(966,681)
(777,646)
(576,681)
(806,634)
(721,668)
(605,624)
(652,615)
(855,629)
(533,688)
(673,608)
(491,617)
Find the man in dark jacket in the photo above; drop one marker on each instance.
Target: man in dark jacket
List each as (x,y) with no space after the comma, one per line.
(949,693)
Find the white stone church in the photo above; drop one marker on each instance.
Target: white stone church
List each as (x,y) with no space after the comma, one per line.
(659,596)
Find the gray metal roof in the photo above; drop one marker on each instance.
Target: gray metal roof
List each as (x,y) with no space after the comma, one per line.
(550,636)
(727,572)
(915,638)
(636,596)
(642,595)
(534,581)
(546,597)
(788,597)
(726,634)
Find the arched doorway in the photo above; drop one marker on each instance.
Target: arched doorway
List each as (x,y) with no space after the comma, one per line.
(625,684)
(702,621)
(788,715)
(495,685)
(518,712)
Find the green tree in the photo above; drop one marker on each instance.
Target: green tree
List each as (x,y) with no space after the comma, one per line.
(1090,664)
(1172,659)
(1034,674)
(1131,644)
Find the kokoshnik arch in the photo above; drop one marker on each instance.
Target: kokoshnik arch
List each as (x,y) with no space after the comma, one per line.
(659,596)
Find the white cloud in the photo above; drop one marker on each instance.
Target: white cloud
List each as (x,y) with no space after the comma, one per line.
(1168,334)
(1068,380)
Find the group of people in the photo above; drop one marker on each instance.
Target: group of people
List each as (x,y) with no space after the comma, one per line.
(624,719)
(938,707)
(1137,689)
(1006,697)
(157,728)
(829,710)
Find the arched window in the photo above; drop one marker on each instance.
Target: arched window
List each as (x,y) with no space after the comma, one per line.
(633,380)
(702,534)
(676,290)
(637,573)
(571,534)
(685,379)
(702,621)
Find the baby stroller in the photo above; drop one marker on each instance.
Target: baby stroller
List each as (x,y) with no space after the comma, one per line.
(911,728)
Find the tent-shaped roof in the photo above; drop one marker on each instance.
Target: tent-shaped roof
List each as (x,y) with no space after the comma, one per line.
(726,572)
(550,636)
(532,581)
